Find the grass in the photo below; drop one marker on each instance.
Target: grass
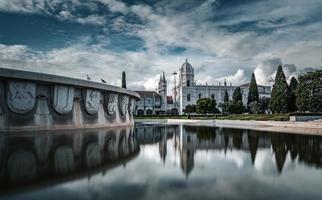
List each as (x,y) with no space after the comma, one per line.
(257,117)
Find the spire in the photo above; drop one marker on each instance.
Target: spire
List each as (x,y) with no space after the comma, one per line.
(186,59)
(225,83)
(163,78)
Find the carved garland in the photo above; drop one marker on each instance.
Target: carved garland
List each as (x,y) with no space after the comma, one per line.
(92,101)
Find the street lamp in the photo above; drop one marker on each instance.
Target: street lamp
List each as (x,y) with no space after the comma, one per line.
(174,88)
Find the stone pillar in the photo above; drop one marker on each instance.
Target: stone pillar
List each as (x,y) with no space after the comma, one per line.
(42,115)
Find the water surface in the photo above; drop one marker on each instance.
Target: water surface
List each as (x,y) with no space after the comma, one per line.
(157,161)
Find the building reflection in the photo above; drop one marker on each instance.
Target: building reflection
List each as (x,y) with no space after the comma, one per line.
(44,156)
(191,139)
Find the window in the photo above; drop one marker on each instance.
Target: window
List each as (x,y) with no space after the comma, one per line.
(199,96)
(188,97)
(212,96)
(188,83)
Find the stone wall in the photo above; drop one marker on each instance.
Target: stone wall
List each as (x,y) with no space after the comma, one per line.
(304,118)
(34,100)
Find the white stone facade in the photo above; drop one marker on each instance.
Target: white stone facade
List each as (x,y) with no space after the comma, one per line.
(189,92)
(157,102)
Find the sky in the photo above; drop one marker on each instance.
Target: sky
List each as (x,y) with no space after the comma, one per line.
(222,39)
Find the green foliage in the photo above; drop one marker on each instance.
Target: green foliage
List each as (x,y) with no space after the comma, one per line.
(253,91)
(291,98)
(190,109)
(237,95)
(226,97)
(236,107)
(206,105)
(123,79)
(278,103)
(224,107)
(263,104)
(254,107)
(309,92)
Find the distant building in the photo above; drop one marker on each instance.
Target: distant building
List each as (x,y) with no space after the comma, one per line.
(150,103)
(263,91)
(190,92)
(158,102)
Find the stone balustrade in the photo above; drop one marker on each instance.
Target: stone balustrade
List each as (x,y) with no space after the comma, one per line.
(30,100)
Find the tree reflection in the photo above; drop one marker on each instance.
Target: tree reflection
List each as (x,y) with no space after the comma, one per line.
(302,148)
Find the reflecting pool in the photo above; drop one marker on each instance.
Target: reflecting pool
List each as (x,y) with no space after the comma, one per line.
(158,161)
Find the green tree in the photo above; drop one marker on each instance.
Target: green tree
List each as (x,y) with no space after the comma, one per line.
(213,108)
(278,103)
(226,97)
(254,107)
(235,107)
(291,98)
(123,79)
(263,104)
(206,105)
(237,95)
(309,92)
(253,91)
(190,109)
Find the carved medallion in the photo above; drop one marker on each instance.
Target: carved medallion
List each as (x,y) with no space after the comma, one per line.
(63,99)
(123,104)
(21,96)
(112,103)
(92,101)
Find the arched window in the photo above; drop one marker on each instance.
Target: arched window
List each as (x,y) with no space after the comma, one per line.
(212,96)
(199,96)
(188,97)
(188,83)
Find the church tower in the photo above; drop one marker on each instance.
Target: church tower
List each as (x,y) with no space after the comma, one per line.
(186,85)
(162,90)
(186,75)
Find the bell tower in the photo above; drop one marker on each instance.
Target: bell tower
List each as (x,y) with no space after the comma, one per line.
(162,90)
(186,75)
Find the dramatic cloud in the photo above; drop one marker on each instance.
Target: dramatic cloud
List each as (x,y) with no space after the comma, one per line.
(222,39)
(265,72)
(236,79)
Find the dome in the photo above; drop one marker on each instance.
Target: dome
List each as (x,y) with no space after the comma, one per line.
(186,68)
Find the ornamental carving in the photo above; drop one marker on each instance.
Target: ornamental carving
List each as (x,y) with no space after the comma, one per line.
(92,101)
(21,96)
(63,99)
(132,106)
(123,104)
(112,103)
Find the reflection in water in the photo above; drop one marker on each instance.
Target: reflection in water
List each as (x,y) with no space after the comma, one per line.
(307,149)
(171,162)
(34,157)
